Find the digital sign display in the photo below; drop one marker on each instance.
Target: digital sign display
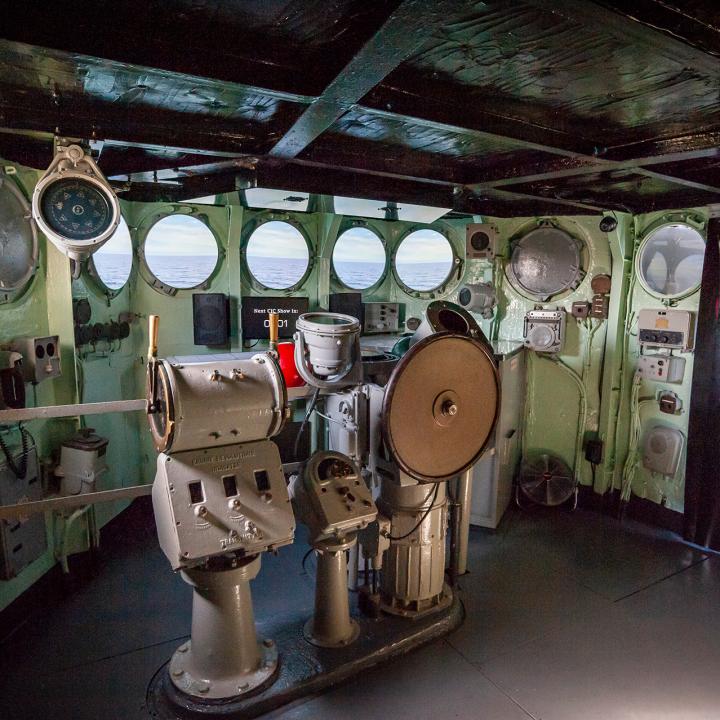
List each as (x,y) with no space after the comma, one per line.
(255,320)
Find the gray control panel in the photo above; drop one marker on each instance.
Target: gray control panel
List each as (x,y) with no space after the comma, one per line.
(221,500)
(381,317)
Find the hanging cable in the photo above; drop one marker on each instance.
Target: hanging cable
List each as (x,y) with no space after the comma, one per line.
(303,424)
(434,493)
(582,418)
(19,470)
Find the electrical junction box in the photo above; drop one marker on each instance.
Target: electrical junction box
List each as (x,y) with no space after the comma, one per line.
(580,309)
(41,357)
(665,328)
(544,330)
(662,368)
(481,241)
(22,540)
(662,449)
(381,317)
(221,500)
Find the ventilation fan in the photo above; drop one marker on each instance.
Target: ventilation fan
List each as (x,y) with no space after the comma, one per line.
(546,480)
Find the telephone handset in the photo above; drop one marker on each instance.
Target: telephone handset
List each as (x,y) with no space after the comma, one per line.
(12,382)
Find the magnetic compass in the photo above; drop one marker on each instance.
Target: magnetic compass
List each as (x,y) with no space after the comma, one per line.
(74,205)
(76,209)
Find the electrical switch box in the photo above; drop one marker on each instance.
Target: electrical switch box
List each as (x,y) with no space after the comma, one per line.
(600,307)
(41,357)
(665,328)
(580,309)
(381,317)
(22,540)
(662,368)
(544,330)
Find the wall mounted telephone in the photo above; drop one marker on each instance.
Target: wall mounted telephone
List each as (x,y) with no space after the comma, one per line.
(12,382)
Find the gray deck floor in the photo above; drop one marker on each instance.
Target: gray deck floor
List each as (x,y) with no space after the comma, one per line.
(569,616)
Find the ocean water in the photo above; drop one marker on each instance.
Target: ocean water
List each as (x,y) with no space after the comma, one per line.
(181,271)
(278,273)
(185,271)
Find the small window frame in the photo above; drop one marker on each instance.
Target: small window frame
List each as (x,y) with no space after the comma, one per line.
(248,230)
(697,224)
(144,230)
(92,274)
(345,227)
(452,279)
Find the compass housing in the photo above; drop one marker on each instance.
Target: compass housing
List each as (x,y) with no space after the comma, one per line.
(74,205)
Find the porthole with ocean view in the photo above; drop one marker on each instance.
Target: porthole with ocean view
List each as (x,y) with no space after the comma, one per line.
(277,255)
(181,251)
(359,258)
(424,260)
(111,265)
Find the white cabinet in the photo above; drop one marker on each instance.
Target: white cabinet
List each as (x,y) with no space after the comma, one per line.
(493,474)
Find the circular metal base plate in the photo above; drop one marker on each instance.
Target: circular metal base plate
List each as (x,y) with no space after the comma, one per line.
(320,642)
(229,686)
(440,602)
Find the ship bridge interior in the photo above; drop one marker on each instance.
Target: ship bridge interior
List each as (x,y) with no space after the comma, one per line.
(358,359)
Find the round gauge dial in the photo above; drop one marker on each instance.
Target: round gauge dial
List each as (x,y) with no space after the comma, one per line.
(76,209)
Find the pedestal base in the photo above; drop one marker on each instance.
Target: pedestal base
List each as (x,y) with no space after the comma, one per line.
(309,630)
(228,686)
(304,668)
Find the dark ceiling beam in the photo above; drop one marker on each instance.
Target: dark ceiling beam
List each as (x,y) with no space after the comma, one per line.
(405,30)
(574,205)
(289,176)
(211,61)
(624,26)
(451,109)
(381,159)
(141,127)
(675,22)
(665,152)
(703,144)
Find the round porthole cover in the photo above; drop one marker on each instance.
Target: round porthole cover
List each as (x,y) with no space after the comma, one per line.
(18,239)
(545,262)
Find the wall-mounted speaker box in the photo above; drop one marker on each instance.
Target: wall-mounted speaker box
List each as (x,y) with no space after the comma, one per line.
(481,241)
(347,303)
(211,319)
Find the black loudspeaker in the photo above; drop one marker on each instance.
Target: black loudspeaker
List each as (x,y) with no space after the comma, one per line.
(347,304)
(211,319)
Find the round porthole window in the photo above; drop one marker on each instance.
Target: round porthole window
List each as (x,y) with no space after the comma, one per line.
(18,241)
(424,260)
(277,255)
(359,258)
(545,262)
(112,263)
(181,251)
(670,260)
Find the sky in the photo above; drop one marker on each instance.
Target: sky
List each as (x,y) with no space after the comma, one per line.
(359,245)
(277,239)
(186,235)
(424,246)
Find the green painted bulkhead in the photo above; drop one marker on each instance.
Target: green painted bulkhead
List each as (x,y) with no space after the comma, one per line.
(594,372)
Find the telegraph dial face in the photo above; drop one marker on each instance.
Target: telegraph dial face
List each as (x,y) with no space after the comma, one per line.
(76,209)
